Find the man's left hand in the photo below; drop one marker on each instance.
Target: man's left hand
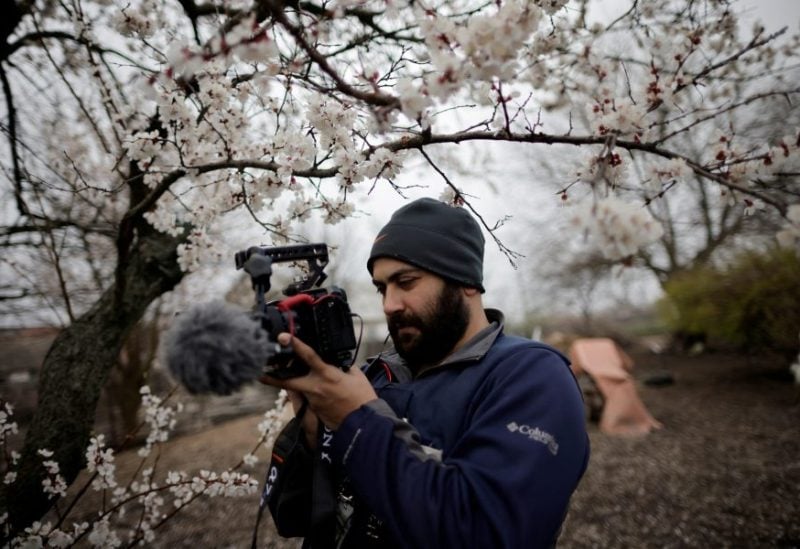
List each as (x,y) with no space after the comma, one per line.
(332,394)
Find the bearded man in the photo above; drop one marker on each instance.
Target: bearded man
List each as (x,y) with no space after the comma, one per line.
(457,436)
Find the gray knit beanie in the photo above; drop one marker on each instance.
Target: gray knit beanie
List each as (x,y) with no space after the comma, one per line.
(434,236)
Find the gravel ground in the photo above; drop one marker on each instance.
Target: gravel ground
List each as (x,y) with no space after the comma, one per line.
(723,472)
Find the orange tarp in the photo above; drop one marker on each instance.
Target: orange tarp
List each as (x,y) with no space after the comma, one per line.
(608,366)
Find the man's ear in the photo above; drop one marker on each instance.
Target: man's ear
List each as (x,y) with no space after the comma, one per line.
(469,292)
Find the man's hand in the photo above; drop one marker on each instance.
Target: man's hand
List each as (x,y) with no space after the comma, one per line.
(310,421)
(332,394)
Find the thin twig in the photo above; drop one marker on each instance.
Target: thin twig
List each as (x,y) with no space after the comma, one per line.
(510,254)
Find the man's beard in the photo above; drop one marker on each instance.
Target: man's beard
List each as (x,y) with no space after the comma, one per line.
(439,329)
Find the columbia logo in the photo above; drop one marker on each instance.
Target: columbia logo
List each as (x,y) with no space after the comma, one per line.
(534,433)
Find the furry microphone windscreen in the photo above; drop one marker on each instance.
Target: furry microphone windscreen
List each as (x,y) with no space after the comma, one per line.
(215,348)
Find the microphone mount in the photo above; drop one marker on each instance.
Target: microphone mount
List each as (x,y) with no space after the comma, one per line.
(257,262)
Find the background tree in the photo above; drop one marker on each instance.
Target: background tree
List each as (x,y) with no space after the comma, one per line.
(752,303)
(703,223)
(138,133)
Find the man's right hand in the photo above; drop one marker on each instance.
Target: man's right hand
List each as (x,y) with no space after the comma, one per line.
(331,392)
(310,419)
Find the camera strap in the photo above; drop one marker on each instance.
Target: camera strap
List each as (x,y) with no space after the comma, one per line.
(287,445)
(289,503)
(323,496)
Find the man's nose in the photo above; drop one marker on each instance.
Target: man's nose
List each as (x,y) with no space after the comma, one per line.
(392,302)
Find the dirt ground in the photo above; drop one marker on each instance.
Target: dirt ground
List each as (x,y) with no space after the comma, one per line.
(723,472)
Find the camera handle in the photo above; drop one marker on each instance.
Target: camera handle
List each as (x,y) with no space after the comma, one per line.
(315,254)
(259,267)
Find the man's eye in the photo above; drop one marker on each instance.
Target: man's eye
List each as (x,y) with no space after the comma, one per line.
(380,289)
(406,282)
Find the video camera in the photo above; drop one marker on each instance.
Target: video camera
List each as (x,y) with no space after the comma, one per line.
(318,316)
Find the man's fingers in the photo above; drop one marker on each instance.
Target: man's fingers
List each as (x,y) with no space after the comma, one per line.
(303,351)
(296,399)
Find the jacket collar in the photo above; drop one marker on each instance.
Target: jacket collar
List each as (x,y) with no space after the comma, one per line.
(472,351)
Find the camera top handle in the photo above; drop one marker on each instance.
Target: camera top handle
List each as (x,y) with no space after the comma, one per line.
(257,262)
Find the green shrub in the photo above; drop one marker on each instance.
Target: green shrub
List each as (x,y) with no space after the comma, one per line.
(753,303)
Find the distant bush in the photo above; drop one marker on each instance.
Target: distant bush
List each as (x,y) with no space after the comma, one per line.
(753,303)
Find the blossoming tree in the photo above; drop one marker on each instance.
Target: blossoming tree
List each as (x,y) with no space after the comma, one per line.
(134,129)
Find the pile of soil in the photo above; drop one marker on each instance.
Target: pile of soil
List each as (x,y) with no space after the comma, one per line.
(723,472)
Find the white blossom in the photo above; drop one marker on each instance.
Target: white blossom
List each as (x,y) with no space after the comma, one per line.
(103,535)
(615,228)
(448,195)
(752,205)
(294,150)
(349,162)
(119,494)
(180,489)
(334,213)
(34,535)
(226,484)
(59,538)
(382,163)
(101,460)
(618,116)
(159,417)
(199,248)
(299,208)
(492,42)
(662,172)
(164,218)
(550,6)
(265,189)
(333,120)
(272,423)
(7,427)
(448,76)
(609,169)
(414,101)
(53,484)
(130,21)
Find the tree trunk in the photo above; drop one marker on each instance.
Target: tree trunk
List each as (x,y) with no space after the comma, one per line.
(76,368)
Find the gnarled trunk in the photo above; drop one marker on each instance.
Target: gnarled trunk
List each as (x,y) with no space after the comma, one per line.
(76,368)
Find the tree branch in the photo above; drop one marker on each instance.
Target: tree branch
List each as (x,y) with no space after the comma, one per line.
(508,252)
(12,139)
(754,43)
(372,98)
(416,142)
(715,113)
(37,38)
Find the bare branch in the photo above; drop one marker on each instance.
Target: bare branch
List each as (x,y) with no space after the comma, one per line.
(12,139)
(753,44)
(78,99)
(508,252)
(375,98)
(39,37)
(714,114)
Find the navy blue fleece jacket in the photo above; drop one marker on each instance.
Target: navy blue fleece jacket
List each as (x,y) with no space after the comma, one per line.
(483,450)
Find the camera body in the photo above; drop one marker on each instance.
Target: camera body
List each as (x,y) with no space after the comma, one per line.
(320,317)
